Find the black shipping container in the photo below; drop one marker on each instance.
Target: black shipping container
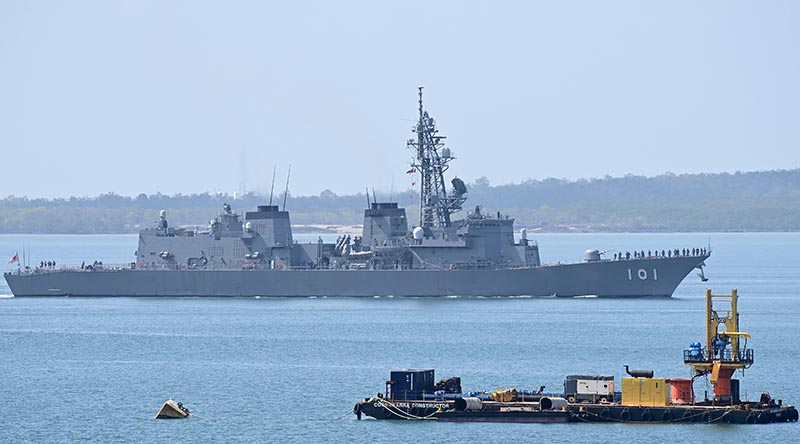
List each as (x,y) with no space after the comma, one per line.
(411,384)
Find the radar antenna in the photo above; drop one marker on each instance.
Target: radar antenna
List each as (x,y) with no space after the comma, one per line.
(431,159)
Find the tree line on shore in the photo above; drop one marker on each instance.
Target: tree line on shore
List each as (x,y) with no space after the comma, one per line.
(749,201)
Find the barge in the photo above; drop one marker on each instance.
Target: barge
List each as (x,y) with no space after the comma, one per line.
(643,398)
(533,412)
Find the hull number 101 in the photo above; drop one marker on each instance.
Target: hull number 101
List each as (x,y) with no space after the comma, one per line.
(642,274)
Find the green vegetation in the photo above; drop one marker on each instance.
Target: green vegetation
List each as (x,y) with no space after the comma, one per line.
(754,201)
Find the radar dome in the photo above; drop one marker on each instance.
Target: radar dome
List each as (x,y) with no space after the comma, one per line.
(418,233)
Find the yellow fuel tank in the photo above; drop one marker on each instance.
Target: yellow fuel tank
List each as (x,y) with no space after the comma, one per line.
(646,391)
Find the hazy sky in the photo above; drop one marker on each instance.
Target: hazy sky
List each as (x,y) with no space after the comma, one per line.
(193,96)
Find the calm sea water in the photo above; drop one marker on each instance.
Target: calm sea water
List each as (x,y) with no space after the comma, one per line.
(284,370)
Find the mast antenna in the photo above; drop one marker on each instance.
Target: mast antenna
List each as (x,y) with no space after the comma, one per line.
(272,188)
(286,191)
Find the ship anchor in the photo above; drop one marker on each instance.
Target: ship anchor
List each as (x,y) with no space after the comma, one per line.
(701,274)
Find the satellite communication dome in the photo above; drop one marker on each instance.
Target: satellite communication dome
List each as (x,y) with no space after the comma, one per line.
(446,153)
(418,233)
(523,234)
(248,226)
(162,213)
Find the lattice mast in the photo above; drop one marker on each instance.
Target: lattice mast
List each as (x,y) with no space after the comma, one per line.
(431,159)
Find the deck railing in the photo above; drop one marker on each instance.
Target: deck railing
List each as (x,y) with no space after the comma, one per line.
(700,356)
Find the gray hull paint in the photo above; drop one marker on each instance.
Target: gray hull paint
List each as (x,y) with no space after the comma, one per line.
(626,278)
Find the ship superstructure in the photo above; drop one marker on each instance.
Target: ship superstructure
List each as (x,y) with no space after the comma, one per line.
(263,238)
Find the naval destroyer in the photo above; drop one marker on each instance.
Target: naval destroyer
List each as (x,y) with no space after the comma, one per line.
(438,255)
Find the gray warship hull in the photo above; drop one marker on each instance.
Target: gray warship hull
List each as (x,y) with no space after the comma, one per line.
(255,254)
(646,277)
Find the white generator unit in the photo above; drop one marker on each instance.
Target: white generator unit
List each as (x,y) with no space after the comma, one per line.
(589,388)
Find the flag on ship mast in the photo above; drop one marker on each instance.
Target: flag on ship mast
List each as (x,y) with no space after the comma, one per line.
(14,259)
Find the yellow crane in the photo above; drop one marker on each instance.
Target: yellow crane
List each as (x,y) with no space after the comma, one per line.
(726,350)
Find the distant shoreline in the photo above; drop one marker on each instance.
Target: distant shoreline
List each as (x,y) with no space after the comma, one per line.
(762,201)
